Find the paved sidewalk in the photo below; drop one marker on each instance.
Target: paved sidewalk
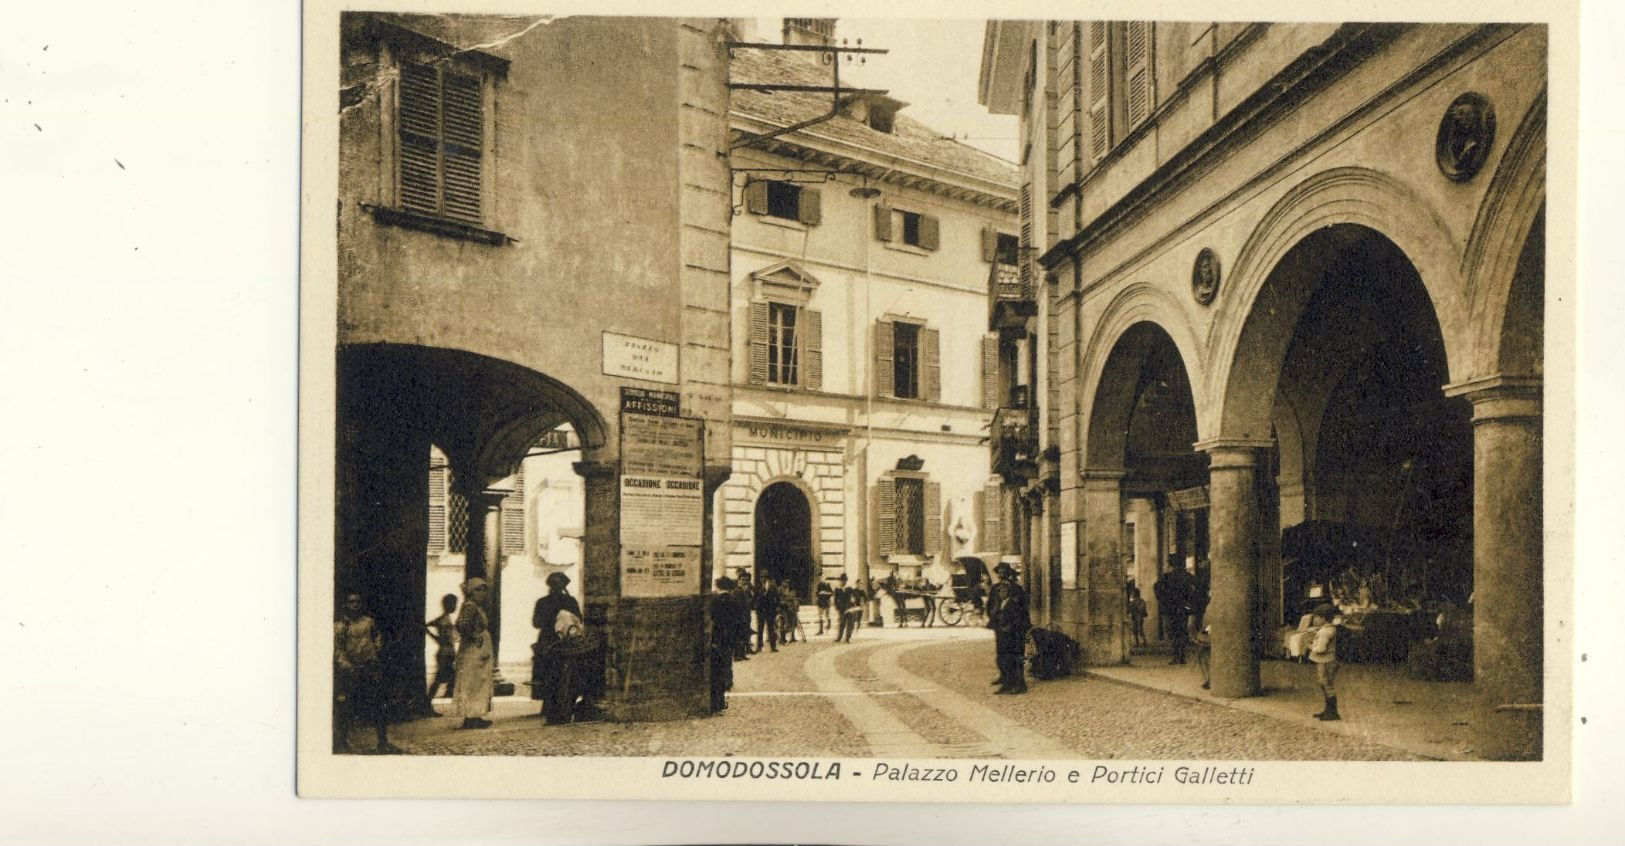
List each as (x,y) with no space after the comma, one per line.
(1378,702)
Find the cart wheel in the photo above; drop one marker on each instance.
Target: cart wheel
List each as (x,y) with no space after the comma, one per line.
(950,611)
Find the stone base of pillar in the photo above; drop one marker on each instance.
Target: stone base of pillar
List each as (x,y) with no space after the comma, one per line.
(655,667)
(1508,731)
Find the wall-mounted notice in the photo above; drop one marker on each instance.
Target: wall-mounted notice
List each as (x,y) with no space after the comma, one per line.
(662,499)
(662,519)
(1069,554)
(640,358)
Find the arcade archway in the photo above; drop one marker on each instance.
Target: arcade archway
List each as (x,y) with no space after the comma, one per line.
(1342,362)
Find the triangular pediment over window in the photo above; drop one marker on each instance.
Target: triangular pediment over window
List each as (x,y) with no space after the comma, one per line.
(785,282)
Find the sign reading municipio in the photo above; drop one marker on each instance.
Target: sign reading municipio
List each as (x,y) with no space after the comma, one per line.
(640,358)
(662,498)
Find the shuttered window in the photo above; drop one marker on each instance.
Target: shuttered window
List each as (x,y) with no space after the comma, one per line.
(909,509)
(1026,234)
(886,516)
(883,229)
(1137,71)
(442,140)
(786,346)
(437,506)
(920,230)
(990,371)
(992,539)
(785,200)
(908,361)
(1099,92)
(513,517)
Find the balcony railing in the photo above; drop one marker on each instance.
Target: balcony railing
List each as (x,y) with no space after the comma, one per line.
(1015,442)
(1010,297)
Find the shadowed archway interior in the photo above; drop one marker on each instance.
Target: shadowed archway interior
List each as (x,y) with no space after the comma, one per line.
(784,538)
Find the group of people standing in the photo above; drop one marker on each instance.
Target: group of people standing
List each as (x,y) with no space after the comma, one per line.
(777,609)
(566,670)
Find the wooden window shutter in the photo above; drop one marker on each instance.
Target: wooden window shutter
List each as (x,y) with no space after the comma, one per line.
(933,517)
(812,334)
(1099,93)
(758,343)
(463,124)
(886,508)
(883,222)
(931,356)
(513,517)
(991,540)
(437,509)
(990,371)
(1026,241)
(930,232)
(990,244)
(885,340)
(419,176)
(756,197)
(810,210)
(1138,63)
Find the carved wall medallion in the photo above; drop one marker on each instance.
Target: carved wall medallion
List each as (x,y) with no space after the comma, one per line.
(1466,134)
(1205,276)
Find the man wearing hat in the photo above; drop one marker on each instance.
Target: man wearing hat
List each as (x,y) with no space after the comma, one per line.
(848,608)
(551,670)
(1008,617)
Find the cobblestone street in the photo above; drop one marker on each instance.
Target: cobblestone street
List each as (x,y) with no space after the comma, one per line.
(908,693)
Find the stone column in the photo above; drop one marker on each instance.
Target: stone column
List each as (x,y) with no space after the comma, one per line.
(1508,573)
(1102,579)
(1233,548)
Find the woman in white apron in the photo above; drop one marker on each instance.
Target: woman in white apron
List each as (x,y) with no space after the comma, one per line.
(476,664)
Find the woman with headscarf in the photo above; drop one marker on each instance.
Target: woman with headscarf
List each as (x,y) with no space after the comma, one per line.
(476,663)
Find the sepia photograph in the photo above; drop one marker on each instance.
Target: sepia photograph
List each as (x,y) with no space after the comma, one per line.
(1080,410)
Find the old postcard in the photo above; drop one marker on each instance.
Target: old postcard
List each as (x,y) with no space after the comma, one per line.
(937,409)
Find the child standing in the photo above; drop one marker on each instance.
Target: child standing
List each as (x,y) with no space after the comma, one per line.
(1324,656)
(443,631)
(1137,613)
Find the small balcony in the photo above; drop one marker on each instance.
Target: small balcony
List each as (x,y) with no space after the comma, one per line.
(1010,298)
(1015,441)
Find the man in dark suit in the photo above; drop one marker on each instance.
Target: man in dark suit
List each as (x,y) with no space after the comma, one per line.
(1008,617)
(1174,591)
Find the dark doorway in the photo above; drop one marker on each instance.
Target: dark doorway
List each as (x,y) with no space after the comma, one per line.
(784,538)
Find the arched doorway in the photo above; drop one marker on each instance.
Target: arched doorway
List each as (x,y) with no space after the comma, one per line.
(783,538)
(1145,499)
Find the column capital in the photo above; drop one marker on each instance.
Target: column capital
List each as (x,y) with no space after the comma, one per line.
(596,469)
(1100,478)
(1228,453)
(1500,396)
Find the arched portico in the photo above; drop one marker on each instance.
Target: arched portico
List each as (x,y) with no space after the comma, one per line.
(394,401)
(1336,374)
(1136,456)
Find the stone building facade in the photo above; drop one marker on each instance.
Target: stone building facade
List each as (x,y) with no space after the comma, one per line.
(1294,283)
(862,249)
(513,255)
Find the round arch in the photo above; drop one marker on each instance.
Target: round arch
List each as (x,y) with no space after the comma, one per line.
(1249,341)
(761,497)
(1139,304)
(1513,207)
